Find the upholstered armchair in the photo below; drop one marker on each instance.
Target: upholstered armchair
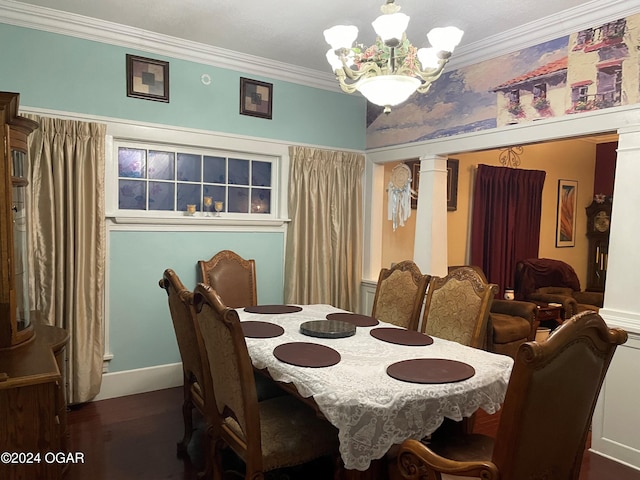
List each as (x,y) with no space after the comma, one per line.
(511,323)
(544,280)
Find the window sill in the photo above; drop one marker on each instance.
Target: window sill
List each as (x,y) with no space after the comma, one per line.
(200,221)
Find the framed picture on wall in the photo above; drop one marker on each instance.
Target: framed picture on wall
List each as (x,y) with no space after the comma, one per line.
(452,182)
(147,78)
(414,165)
(256,98)
(566,214)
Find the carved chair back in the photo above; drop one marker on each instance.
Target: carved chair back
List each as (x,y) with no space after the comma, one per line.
(400,295)
(458,305)
(232,277)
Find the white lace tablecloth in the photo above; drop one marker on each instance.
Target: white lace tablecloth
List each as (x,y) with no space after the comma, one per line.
(371,410)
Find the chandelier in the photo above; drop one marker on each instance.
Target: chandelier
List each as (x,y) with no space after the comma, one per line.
(392,69)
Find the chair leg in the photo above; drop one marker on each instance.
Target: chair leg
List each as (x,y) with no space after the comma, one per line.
(210,470)
(187,416)
(216,446)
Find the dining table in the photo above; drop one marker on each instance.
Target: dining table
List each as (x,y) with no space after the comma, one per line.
(361,386)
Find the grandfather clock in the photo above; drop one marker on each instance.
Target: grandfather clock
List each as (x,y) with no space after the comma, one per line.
(598,225)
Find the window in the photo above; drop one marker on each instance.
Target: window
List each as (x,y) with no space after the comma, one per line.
(579,94)
(584,37)
(609,86)
(540,91)
(162,178)
(614,29)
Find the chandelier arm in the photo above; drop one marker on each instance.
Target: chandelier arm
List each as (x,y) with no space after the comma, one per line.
(368,69)
(344,86)
(430,76)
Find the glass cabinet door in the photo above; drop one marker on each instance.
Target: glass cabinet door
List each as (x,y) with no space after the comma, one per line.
(16,317)
(20,238)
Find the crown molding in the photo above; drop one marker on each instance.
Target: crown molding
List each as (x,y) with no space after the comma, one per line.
(87,28)
(552,27)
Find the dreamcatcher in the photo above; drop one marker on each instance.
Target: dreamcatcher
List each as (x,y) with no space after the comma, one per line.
(400,192)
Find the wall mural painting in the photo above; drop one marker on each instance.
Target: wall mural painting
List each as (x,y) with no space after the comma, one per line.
(592,69)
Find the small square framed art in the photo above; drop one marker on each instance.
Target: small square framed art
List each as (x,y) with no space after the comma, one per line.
(147,78)
(256,98)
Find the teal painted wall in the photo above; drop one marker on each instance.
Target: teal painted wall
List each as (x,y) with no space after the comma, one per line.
(70,74)
(140,325)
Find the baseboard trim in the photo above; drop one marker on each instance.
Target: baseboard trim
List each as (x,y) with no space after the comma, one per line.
(616,452)
(141,380)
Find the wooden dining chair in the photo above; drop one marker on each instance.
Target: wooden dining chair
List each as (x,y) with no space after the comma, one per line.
(232,277)
(234,280)
(183,319)
(400,295)
(266,435)
(457,307)
(546,414)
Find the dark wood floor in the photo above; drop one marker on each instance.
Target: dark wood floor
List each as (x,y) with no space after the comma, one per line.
(134,438)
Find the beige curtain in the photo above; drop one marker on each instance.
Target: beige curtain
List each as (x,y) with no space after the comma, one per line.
(67,161)
(324,238)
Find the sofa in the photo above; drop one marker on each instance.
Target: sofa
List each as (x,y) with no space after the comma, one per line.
(545,280)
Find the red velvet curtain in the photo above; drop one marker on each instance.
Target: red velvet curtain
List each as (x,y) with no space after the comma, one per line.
(505,225)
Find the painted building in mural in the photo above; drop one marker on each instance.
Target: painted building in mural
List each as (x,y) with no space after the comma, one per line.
(603,69)
(590,77)
(539,93)
(592,69)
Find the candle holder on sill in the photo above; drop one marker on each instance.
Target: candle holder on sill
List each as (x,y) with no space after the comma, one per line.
(208,201)
(219,206)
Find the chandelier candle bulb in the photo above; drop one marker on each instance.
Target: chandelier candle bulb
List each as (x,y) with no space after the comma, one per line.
(391,28)
(388,72)
(445,39)
(341,36)
(428,58)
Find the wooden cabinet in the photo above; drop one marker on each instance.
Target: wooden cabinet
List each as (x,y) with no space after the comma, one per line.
(33,410)
(598,226)
(15,321)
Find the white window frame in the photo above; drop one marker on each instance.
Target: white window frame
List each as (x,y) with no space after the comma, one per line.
(179,149)
(197,142)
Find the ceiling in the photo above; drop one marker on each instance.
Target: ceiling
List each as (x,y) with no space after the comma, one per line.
(291,31)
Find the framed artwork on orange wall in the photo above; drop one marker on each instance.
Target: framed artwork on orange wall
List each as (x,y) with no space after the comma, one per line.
(452,182)
(566,214)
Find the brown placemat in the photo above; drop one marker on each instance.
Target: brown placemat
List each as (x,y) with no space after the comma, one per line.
(355,318)
(255,329)
(400,336)
(430,370)
(327,329)
(303,354)
(273,309)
